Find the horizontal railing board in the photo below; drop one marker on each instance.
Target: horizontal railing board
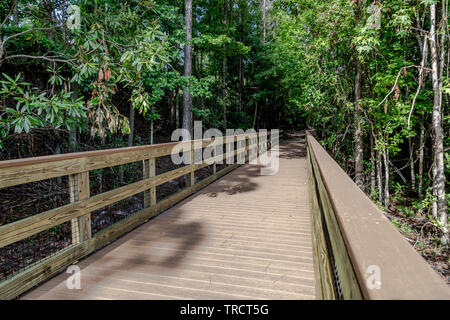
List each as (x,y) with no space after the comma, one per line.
(349,287)
(48,267)
(20,171)
(40,168)
(322,267)
(371,240)
(27,227)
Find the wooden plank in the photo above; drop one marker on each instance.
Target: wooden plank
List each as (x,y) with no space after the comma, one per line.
(19,171)
(54,264)
(149,171)
(81,205)
(322,266)
(190,177)
(371,240)
(15,175)
(79,190)
(24,228)
(188,252)
(347,277)
(43,270)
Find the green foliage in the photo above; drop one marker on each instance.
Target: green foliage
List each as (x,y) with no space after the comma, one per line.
(34,110)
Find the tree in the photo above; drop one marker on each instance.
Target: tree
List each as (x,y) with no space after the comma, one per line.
(187,97)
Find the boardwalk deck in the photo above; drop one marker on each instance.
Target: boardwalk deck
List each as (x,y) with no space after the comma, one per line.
(245,236)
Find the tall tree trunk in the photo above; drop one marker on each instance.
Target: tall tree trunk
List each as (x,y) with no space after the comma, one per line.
(73,129)
(263,9)
(151,131)
(58,151)
(130,141)
(224,68)
(411,163)
(15,15)
(224,90)
(177,108)
(241,64)
(386,174)
(421,146)
(131,122)
(172,110)
(373,167)
(359,170)
(380,177)
(187,97)
(438,138)
(255,115)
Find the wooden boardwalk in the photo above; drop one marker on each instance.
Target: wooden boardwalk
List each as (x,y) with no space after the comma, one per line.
(245,236)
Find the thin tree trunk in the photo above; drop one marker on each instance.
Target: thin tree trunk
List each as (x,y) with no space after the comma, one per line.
(256,114)
(177,108)
(241,64)
(58,151)
(373,167)
(151,131)
(380,177)
(224,91)
(411,163)
(438,138)
(263,9)
(172,110)
(16,15)
(187,97)
(421,154)
(359,170)
(73,129)
(224,68)
(131,122)
(386,178)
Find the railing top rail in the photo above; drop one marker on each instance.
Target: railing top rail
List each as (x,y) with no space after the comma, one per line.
(19,171)
(85,154)
(371,240)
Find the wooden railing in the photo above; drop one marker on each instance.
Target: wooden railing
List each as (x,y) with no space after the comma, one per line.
(78,211)
(358,253)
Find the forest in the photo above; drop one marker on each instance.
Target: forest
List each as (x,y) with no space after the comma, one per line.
(370,79)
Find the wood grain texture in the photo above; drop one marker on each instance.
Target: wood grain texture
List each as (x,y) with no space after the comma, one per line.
(322,264)
(328,225)
(233,239)
(55,263)
(24,228)
(371,239)
(79,190)
(19,171)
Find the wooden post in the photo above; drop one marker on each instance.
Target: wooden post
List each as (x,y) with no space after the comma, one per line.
(190,181)
(149,170)
(258,141)
(241,145)
(79,190)
(214,153)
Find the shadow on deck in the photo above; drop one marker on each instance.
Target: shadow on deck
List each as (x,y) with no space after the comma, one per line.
(245,236)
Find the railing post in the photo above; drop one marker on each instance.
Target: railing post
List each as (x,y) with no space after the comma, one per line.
(214,153)
(79,190)
(240,143)
(149,171)
(190,181)
(258,141)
